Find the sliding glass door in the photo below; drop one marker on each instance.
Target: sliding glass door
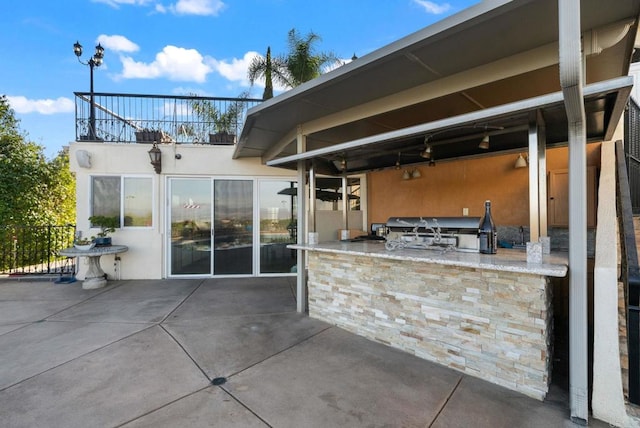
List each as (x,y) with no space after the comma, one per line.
(213,230)
(233,227)
(278,225)
(190,222)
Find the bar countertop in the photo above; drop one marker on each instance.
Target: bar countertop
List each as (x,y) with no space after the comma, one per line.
(506,260)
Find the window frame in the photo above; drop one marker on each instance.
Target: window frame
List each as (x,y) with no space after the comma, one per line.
(122,178)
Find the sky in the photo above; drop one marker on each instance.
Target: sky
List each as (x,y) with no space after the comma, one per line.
(175,47)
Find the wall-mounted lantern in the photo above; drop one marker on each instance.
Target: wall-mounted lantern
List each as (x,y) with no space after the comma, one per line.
(156,158)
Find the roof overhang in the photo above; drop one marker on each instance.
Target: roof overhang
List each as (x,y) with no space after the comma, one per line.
(458,137)
(449,72)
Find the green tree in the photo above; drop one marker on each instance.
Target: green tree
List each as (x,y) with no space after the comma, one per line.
(301,64)
(33,191)
(270,69)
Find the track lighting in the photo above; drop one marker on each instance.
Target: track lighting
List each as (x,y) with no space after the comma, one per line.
(484,144)
(521,162)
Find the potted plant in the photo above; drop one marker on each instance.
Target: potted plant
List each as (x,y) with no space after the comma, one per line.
(107,225)
(83,244)
(152,136)
(225,122)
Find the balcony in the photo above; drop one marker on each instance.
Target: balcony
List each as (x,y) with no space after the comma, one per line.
(128,118)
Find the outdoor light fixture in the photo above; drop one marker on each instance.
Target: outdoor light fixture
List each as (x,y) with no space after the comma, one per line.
(94,61)
(484,144)
(521,162)
(406,175)
(398,162)
(416,173)
(156,158)
(426,153)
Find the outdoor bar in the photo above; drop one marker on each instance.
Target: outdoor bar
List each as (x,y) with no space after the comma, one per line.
(489,316)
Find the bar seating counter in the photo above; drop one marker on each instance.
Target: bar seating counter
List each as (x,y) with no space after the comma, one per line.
(489,316)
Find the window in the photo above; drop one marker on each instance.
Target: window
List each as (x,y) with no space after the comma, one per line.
(128,198)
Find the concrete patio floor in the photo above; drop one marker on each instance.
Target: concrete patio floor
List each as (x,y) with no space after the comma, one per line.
(144,353)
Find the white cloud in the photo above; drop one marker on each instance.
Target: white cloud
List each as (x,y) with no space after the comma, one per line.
(173,63)
(24,105)
(117,43)
(116,3)
(235,69)
(434,8)
(197,7)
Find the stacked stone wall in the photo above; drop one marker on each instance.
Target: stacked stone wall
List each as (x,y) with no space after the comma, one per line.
(490,324)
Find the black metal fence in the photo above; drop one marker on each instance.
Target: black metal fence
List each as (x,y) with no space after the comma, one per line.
(630,274)
(632,152)
(129,118)
(33,250)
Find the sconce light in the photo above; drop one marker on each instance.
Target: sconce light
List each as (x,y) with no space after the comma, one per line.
(156,158)
(84,159)
(521,162)
(408,175)
(484,144)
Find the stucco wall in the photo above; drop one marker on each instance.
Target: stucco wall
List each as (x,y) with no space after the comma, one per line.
(145,259)
(448,187)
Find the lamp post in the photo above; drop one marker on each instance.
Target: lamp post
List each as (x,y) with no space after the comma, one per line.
(94,61)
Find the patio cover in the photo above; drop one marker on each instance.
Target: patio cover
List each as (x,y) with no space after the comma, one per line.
(497,53)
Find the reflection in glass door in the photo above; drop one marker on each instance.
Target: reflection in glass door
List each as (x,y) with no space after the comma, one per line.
(190,220)
(278,226)
(233,227)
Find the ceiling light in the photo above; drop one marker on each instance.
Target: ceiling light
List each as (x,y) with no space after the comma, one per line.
(484,144)
(521,162)
(406,175)
(426,153)
(416,173)
(398,162)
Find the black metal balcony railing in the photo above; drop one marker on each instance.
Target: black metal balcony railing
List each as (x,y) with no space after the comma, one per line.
(33,250)
(127,118)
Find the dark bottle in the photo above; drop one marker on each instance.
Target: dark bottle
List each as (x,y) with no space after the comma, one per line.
(487,232)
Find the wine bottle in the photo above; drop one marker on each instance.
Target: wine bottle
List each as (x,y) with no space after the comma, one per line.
(487,232)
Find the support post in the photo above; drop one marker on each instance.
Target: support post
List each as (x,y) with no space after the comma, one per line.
(301,278)
(571,81)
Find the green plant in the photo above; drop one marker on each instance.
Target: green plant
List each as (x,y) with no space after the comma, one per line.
(107,224)
(83,241)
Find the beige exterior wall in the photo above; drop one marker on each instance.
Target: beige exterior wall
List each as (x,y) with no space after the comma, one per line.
(146,256)
(447,188)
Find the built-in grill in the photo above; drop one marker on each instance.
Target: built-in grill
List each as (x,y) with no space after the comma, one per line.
(448,233)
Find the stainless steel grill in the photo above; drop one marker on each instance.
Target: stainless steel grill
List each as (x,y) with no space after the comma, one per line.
(443,233)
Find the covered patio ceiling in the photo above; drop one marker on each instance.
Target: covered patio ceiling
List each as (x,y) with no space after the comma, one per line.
(459,137)
(450,83)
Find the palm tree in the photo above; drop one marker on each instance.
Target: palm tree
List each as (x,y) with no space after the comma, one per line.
(303,64)
(268,68)
(300,65)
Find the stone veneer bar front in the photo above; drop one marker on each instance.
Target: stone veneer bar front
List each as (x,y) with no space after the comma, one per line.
(489,316)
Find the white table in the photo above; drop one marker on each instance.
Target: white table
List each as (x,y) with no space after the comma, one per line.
(95,276)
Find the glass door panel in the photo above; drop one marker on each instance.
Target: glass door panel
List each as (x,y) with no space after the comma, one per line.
(190,219)
(277,226)
(233,227)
